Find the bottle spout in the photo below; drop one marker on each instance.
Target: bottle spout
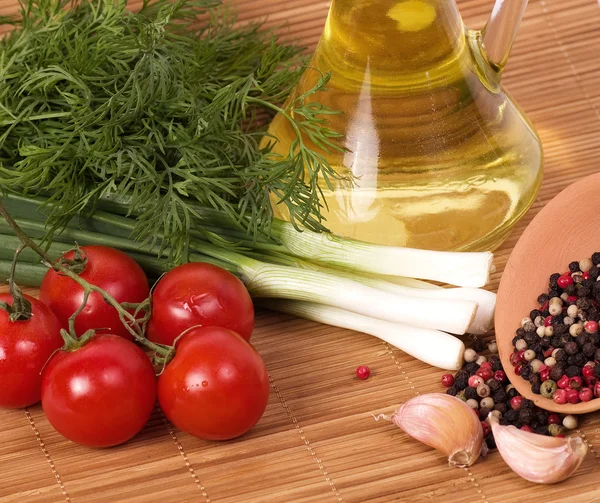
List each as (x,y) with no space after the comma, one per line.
(501,29)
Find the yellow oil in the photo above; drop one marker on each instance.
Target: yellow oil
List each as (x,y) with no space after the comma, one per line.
(441,155)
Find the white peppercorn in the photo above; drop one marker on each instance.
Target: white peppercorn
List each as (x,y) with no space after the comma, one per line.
(483,390)
(541,331)
(492,347)
(470,355)
(529,355)
(549,362)
(536,365)
(575,329)
(570,422)
(487,403)
(549,331)
(572,311)
(480,359)
(524,321)
(568,321)
(471,402)
(555,309)
(585,265)
(521,345)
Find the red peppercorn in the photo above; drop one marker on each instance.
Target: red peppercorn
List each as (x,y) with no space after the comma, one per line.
(486,364)
(475,381)
(486,428)
(363,372)
(586,275)
(500,376)
(571,299)
(564,281)
(554,419)
(587,371)
(590,382)
(597,389)
(526,427)
(520,355)
(545,374)
(591,327)
(560,396)
(563,382)
(572,396)
(560,435)
(518,369)
(547,321)
(575,382)
(548,352)
(585,394)
(516,402)
(545,306)
(447,380)
(514,359)
(485,373)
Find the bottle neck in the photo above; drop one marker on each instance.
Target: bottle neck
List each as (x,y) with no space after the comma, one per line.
(390,37)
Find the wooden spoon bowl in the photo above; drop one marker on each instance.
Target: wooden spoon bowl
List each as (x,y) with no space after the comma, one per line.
(566,229)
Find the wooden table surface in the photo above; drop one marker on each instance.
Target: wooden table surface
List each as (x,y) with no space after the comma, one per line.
(317,441)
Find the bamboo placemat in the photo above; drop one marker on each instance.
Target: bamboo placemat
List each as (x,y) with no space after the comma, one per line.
(317,441)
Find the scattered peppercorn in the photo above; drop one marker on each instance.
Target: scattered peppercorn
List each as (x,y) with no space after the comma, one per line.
(363,372)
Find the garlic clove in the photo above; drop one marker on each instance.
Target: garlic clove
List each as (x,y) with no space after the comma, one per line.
(538,458)
(445,423)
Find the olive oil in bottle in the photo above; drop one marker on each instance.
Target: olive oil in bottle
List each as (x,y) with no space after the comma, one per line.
(441,156)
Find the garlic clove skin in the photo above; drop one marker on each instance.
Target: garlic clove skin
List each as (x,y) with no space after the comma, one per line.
(537,458)
(445,423)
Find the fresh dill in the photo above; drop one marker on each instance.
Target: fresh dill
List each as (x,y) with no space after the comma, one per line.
(161,108)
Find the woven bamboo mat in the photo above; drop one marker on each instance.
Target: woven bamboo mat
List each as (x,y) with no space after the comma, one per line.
(317,441)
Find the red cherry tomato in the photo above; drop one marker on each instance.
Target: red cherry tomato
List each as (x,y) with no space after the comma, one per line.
(107,268)
(199,294)
(216,387)
(101,394)
(25,347)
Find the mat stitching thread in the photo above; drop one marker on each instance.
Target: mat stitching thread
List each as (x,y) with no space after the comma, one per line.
(575,74)
(184,456)
(38,436)
(307,443)
(416,391)
(567,57)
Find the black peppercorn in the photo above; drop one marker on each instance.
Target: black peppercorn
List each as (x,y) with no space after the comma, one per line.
(531,338)
(483,414)
(560,355)
(564,339)
(497,365)
(534,314)
(511,415)
(536,388)
(594,272)
(479,345)
(541,430)
(557,320)
(491,443)
(574,266)
(588,349)
(501,406)
(570,290)
(582,339)
(512,393)
(595,339)
(560,329)
(579,359)
(526,372)
(545,342)
(553,293)
(536,346)
(584,291)
(557,372)
(571,348)
(593,314)
(520,332)
(541,416)
(494,385)
(500,396)
(525,416)
(555,340)
(582,303)
(471,368)
(542,299)
(573,370)
(452,391)
(588,283)
(493,358)
(596,258)
(461,380)
(597,370)
(471,393)
(527,404)
(553,281)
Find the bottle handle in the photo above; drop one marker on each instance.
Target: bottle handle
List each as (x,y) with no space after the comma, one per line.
(501,29)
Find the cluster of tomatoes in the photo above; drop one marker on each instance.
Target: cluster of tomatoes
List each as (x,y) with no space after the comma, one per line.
(101,391)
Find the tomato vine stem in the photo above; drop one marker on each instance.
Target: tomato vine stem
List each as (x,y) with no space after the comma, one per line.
(129,320)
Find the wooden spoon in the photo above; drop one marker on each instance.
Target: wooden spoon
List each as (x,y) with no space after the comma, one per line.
(566,229)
